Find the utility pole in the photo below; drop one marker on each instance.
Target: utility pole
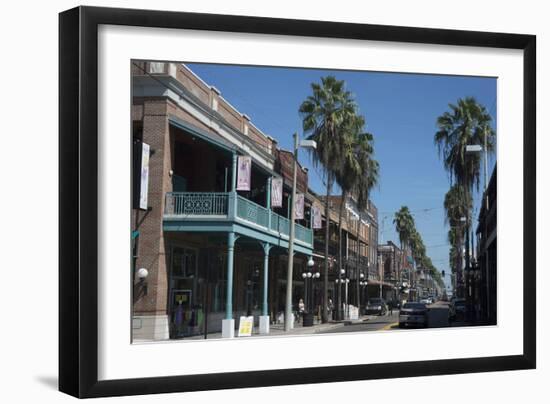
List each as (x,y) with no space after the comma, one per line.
(288,305)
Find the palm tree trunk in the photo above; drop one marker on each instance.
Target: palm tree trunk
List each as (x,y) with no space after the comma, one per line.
(358,262)
(327,235)
(400,271)
(340,258)
(459,259)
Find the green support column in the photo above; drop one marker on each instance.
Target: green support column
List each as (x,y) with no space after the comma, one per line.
(233,196)
(266,247)
(231,238)
(268,202)
(264,318)
(234,173)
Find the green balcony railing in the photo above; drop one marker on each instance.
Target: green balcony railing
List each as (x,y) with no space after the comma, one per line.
(252,212)
(192,205)
(196,203)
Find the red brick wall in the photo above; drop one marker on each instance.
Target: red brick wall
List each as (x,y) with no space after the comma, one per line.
(152,255)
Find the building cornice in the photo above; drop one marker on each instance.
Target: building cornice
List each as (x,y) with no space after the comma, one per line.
(169,87)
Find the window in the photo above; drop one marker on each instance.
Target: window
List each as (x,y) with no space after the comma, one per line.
(184,262)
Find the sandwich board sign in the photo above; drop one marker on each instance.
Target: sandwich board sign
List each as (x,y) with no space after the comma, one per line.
(245,326)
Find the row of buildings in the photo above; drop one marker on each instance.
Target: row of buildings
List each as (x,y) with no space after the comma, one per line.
(206,253)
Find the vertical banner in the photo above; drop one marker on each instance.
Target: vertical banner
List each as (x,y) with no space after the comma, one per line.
(144,182)
(317,219)
(299,207)
(277,192)
(244,170)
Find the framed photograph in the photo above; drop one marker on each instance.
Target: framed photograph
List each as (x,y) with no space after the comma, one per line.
(251,202)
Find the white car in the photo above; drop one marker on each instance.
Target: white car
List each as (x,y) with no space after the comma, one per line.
(413,314)
(426,300)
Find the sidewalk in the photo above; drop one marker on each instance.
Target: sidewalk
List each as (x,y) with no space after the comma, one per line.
(279,330)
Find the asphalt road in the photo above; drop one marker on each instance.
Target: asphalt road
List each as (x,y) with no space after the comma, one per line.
(374,323)
(437,318)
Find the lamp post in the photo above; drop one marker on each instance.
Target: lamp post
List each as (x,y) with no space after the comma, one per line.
(309,277)
(346,281)
(360,283)
(288,305)
(339,282)
(363,285)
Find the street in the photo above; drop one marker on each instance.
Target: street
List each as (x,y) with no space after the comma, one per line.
(437,318)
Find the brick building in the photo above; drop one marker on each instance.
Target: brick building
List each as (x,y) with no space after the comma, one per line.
(205,253)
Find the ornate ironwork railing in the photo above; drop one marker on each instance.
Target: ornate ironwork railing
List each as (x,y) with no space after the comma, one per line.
(303,233)
(252,212)
(280,224)
(200,204)
(196,203)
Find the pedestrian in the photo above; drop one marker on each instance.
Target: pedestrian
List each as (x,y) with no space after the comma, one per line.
(391,307)
(301,309)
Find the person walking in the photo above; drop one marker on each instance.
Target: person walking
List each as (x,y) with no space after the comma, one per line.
(301,309)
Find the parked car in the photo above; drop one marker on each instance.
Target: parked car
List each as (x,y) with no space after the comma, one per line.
(413,314)
(457,310)
(376,305)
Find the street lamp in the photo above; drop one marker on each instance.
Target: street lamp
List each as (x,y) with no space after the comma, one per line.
(346,281)
(142,275)
(360,283)
(363,285)
(288,306)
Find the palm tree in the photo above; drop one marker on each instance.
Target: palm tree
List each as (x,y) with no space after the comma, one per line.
(365,180)
(466,123)
(457,209)
(369,169)
(349,171)
(325,114)
(418,249)
(404,226)
(358,172)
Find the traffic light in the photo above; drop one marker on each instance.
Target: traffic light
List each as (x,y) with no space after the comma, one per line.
(443,274)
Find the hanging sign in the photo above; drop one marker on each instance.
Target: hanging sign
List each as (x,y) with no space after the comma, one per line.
(299,207)
(144,184)
(317,219)
(244,169)
(277,192)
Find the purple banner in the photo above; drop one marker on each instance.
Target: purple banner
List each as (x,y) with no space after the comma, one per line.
(299,207)
(244,168)
(276,192)
(317,219)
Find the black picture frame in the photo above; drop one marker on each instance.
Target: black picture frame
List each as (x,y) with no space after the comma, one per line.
(78,201)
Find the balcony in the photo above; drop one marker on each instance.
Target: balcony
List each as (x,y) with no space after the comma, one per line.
(228,207)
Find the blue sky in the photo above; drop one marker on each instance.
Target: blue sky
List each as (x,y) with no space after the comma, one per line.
(401,112)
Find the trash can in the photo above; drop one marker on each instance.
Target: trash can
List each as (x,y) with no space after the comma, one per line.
(308,319)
